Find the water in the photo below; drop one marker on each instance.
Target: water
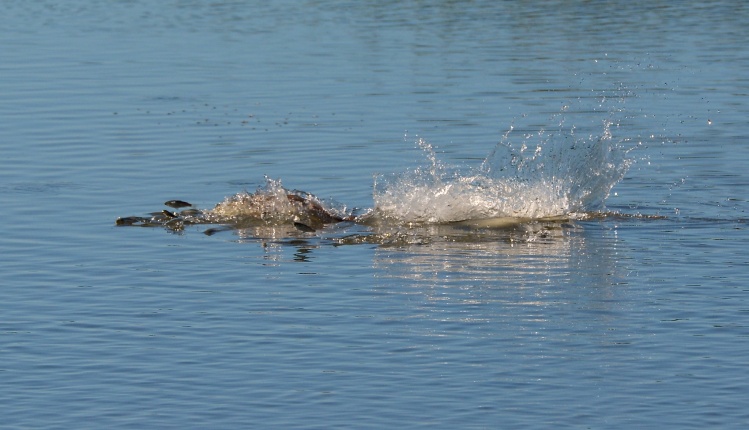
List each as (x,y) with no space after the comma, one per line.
(635,319)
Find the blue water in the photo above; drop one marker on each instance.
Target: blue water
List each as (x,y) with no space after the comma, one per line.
(111,108)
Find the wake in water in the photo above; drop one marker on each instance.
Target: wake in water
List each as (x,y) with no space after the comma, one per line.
(530,176)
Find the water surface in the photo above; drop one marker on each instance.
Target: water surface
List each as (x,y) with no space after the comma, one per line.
(110,109)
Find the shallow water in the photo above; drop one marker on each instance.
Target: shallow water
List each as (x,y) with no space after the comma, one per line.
(618,322)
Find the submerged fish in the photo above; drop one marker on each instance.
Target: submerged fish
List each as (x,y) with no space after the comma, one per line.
(282,213)
(302,210)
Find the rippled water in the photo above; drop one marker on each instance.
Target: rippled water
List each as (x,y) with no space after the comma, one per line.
(634,319)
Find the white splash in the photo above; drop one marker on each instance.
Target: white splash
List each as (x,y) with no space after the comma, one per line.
(543,175)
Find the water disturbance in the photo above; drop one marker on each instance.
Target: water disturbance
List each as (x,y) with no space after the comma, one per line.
(546,175)
(531,175)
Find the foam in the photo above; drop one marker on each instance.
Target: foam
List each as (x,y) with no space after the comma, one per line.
(541,175)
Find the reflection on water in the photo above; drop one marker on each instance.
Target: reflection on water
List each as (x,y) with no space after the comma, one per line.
(557,290)
(518,259)
(526,271)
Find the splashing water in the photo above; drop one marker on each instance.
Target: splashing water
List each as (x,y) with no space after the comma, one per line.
(269,203)
(274,204)
(545,174)
(531,174)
